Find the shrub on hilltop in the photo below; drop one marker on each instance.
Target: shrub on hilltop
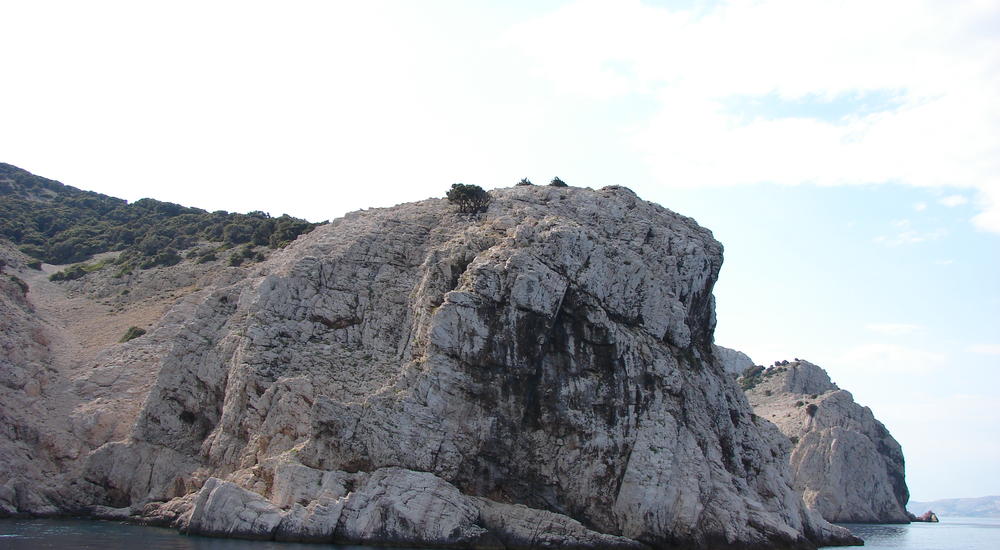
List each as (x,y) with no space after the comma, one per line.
(471,199)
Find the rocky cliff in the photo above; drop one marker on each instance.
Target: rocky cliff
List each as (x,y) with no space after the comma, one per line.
(538,375)
(844,462)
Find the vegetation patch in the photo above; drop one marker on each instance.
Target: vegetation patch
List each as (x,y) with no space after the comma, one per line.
(131,334)
(756,374)
(59,224)
(23,286)
(79,270)
(470,199)
(245,253)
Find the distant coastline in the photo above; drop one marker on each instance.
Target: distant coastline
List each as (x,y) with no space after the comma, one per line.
(981,507)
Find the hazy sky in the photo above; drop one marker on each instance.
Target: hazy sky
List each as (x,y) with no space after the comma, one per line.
(846,153)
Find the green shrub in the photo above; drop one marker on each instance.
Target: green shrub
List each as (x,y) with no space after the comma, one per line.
(71,273)
(525,181)
(811,409)
(207,257)
(19,282)
(470,199)
(556,182)
(131,334)
(166,258)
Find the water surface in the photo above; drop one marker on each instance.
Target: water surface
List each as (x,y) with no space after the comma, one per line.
(952,533)
(65,534)
(84,534)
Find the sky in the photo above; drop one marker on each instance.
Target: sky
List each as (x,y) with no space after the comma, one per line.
(846,153)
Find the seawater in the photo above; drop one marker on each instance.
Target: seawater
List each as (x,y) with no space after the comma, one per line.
(64,534)
(83,534)
(950,534)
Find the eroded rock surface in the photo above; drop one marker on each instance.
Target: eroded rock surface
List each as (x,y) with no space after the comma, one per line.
(732,361)
(844,462)
(541,374)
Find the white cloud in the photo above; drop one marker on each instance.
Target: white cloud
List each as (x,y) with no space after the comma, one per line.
(893,329)
(953,200)
(986,349)
(937,129)
(891,358)
(989,203)
(920,206)
(910,236)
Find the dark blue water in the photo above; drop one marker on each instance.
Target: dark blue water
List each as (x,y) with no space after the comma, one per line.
(64,534)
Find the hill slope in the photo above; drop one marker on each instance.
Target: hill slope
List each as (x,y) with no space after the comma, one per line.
(59,224)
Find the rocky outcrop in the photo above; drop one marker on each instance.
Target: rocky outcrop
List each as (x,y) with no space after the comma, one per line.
(732,361)
(844,462)
(540,374)
(390,506)
(927,517)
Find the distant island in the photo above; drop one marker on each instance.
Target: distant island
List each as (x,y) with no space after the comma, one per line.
(979,507)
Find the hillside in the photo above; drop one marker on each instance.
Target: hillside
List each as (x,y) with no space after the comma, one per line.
(59,224)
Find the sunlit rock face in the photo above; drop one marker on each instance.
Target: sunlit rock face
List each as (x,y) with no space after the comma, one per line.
(732,361)
(844,462)
(539,374)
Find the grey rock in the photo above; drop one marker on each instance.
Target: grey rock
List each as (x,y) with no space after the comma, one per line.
(732,361)
(844,462)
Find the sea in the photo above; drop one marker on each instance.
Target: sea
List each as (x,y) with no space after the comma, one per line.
(65,534)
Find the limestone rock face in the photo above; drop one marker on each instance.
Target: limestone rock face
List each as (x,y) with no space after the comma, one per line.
(732,361)
(844,462)
(25,375)
(540,374)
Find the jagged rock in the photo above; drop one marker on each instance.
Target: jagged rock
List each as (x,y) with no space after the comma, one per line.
(415,375)
(223,509)
(927,517)
(732,361)
(389,506)
(844,462)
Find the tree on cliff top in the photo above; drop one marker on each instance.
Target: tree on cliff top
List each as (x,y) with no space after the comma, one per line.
(469,198)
